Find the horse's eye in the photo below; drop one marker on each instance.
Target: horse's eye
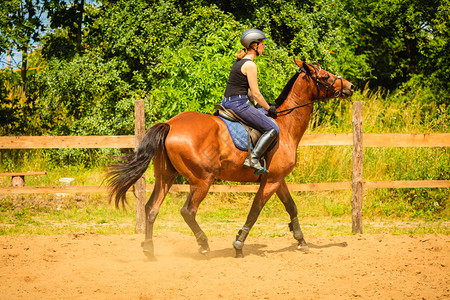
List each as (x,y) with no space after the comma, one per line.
(326,77)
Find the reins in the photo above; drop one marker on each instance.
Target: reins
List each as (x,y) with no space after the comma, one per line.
(285,112)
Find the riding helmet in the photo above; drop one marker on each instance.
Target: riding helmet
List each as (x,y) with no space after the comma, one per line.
(250,36)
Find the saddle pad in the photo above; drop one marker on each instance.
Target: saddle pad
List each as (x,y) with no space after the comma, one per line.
(238,134)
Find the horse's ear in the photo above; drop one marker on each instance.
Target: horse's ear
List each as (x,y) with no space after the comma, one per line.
(304,66)
(299,63)
(308,69)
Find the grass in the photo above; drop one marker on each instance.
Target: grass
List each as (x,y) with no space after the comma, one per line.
(320,214)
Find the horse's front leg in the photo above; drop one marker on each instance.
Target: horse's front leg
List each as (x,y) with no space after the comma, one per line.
(266,190)
(291,208)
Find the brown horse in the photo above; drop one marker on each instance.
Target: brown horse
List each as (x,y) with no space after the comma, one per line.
(198,147)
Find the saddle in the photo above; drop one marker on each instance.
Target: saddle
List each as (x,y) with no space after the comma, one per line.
(228,114)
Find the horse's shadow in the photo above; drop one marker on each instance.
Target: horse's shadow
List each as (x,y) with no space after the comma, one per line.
(260,250)
(342,245)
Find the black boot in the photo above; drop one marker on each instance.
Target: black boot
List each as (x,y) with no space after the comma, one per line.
(261,147)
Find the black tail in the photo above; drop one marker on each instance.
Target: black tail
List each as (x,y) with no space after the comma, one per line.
(122,176)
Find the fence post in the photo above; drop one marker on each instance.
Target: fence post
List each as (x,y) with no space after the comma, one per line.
(139,186)
(357,178)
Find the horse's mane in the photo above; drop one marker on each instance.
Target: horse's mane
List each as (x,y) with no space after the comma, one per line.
(286,90)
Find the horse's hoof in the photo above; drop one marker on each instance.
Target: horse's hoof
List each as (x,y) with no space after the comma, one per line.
(303,246)
(148,249)
(239,253)
(304,249)
(204,251)
(150,255)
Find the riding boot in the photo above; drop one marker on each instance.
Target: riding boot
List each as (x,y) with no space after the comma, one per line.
(261,147)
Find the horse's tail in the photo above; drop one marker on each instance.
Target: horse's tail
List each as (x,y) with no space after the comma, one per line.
(121,176)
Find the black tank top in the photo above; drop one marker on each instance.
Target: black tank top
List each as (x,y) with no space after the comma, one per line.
(237,82)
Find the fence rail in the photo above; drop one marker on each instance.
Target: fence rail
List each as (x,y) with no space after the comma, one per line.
(222,188)
(324,139)
(329,139)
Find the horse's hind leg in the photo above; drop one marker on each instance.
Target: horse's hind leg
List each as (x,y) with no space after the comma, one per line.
(165,175)
(291,208)
(196,195)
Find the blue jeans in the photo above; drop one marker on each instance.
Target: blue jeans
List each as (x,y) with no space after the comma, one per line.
(247,112)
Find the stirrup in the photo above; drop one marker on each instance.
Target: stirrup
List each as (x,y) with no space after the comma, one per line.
(263,170)
(260,171)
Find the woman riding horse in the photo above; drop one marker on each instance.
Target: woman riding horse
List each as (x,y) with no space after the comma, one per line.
(199,148)
(244,75)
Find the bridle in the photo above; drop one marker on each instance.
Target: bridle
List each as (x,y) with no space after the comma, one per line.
(316,80)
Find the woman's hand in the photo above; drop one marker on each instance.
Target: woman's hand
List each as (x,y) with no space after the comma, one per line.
(272,112)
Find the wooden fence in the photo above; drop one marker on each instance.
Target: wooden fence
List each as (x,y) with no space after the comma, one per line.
(357,139)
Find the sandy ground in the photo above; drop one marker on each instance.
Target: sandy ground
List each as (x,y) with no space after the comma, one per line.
(92,266)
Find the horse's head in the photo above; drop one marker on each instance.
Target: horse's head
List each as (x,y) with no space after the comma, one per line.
(328,84)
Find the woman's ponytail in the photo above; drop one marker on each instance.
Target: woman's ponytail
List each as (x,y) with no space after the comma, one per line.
(241,53)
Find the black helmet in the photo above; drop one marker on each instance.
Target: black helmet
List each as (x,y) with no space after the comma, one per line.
(250,36)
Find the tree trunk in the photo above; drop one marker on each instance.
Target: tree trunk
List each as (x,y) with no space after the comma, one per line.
(411,49)
(80,10)
(23,70)
(8,60)
(30,10)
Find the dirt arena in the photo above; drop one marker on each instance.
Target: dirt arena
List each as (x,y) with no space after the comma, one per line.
(93,266)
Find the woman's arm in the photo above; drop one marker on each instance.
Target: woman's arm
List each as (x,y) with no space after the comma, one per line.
(250,69)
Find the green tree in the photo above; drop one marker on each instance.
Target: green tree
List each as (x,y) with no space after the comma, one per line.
(20,26)
(434,53)
(133,54)
(315,31)
(67,21)
(179,55)
(402,39)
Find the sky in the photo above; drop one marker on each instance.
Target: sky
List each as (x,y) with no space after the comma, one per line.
(16,59)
